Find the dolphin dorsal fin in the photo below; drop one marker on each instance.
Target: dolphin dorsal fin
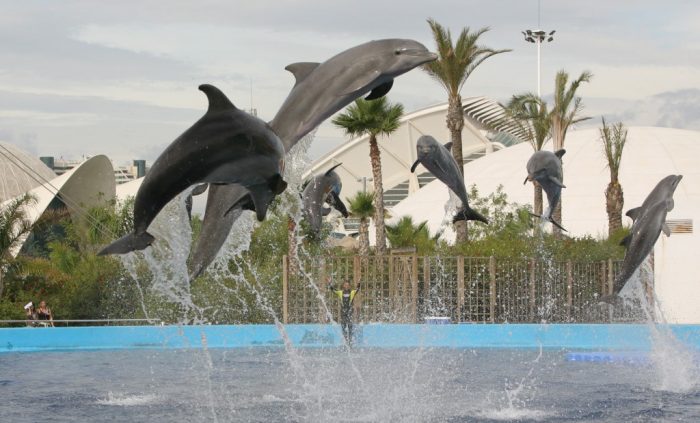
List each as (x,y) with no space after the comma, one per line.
(448,146)
(328,172)
(634,213)
(560,153)
(301,70)
(218,101)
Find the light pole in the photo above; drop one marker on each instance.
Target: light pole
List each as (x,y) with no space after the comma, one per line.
(538,36)
(364,180)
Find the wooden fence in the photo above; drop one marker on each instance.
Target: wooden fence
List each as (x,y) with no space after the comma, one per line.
(409,288)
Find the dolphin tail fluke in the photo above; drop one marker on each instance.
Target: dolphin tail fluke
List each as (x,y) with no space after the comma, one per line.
(548,218)
(467,213)
(557,224)
(262,195)
(128,243)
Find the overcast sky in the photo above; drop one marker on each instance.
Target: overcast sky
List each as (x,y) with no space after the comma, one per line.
(120,78)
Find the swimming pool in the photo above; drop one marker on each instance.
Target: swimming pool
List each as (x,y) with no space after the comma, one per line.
(245,374)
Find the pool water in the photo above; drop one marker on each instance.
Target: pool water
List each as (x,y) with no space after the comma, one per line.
(335,384)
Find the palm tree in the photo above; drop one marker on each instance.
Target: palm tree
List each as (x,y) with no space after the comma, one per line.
(614,138)
(451,70)
(565,113)
(362,207)
(530,114)
(373,118)
(406,234)
(14,227)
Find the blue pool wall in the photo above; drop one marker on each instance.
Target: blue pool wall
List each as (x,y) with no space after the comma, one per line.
(603,337)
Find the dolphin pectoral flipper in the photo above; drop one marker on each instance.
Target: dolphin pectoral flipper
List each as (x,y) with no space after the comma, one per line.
(380,91)
(414,166)
(560,153)
(556,181)
(277,184)
(325,211)
(262,197)
(361,83)
(199,189)
(339,205)
(301,70)
(666,229)
(128,243)
(625,242)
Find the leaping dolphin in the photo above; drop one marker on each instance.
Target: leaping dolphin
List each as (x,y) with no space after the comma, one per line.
(544,167)
(324,188)
(439,161)
(649,222)
(225,146)
(321,89)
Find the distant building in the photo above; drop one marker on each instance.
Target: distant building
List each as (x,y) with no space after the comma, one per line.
(122,174)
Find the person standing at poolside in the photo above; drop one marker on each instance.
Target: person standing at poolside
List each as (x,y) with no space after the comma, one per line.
(44,313)
(346,296)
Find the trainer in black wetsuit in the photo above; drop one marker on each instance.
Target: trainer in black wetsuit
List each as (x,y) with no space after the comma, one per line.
(347,296)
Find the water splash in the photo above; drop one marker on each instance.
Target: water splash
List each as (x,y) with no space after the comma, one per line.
(127,400)
(673,361)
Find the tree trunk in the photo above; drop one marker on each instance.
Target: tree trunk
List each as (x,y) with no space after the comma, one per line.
(455,124)
(614,201)
(557,214)
(378,194)
(292,246)
(363,241)
(538,199)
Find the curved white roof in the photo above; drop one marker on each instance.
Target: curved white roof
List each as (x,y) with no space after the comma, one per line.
(649,155)
(89,184)
(398,151)
(20,171)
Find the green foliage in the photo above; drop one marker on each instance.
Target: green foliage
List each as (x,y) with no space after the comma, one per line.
(529,112)
(361,205)
(456,61)
(614,138)
(405,234)
(372,117)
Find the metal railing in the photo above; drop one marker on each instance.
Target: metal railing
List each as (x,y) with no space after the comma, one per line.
(80,322)
(409,288)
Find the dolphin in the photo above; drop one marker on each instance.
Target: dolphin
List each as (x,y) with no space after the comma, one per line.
(321,89)
(649,222)
(439,161)
(544,167)
(225,146)
(659,193)
(324,188)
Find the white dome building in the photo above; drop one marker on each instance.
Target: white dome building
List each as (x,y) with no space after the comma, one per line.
(20,171)
(649,155)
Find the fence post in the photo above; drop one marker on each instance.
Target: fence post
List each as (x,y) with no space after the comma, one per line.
(611,276)
(569,288)
(285,288)
(426,282)
(356,280)
(533,285)
(603,279)
(460,287)
(414,288)
(492,288)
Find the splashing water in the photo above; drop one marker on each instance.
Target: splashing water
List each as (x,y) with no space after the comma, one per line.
(673,361)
